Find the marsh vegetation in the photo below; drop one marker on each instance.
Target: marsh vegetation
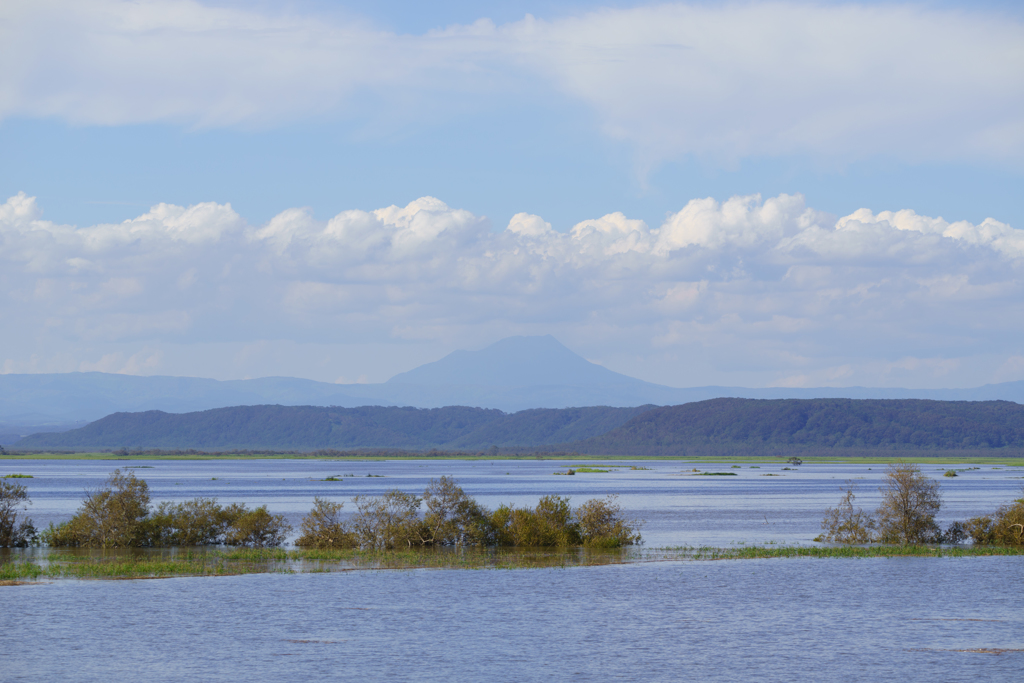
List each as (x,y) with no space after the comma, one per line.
(119,515)
(450,518)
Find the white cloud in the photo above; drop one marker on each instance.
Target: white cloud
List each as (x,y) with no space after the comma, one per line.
(761,290)
(722,81)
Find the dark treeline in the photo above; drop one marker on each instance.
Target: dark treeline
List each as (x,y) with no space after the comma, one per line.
(316,428)
(120,515)
(738,426)
(718,427)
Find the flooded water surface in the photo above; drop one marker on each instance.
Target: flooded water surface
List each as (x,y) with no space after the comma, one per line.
(914,619)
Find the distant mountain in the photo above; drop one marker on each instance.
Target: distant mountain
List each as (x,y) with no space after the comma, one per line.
(746,425)
(312,428)
(514,374)
(518,362)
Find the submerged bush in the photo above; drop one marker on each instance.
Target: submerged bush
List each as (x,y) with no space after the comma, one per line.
(549,524)
(256,528)
(452,518)
(601,524)
(200,521)
(323,529)
(1006,527)
(119,516)
(113,517)
(387,522)
(13,534)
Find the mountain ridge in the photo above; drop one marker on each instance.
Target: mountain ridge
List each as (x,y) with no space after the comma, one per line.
(34,402)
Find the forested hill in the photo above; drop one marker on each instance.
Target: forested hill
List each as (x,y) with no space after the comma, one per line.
(754,425)
(313,428)
(723,425)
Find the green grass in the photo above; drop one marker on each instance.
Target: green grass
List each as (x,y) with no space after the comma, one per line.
(18,476)
(589,469)
(128,564)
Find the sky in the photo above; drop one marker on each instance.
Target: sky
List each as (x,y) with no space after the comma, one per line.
(744,193)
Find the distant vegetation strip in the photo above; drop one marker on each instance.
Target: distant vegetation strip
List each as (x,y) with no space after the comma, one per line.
(715,428)
(311,428)
(735,426)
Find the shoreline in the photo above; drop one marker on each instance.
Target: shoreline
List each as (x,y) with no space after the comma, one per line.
(881,459)
(134,564)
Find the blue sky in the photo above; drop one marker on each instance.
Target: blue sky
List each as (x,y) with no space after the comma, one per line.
(297,114)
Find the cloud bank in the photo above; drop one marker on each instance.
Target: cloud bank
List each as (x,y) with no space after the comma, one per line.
(718,81)
(753,290)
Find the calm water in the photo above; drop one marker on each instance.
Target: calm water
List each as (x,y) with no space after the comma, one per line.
(798,619)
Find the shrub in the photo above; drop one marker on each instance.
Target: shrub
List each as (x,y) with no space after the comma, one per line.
(601,524)
(954,534)
(13,534)
(551,523)
(452,517)
(846,524)
(388,521)
(200,521)
(980,531)
(1008,525)
(255,528)
(910,502)
(322,528)
(113,517)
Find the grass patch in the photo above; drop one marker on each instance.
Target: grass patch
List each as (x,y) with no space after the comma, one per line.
(153,564)
(13,571)
(717,474)
(590,469)
(18,476)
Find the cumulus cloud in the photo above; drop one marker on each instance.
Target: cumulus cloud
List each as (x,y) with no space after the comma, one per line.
(719,81)
(767,287)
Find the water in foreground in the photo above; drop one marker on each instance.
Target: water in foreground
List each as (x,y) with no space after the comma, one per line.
(867,619)
(915,619)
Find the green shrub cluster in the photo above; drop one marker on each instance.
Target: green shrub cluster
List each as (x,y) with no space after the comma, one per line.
(119,516)
(451,518)
(1005,527)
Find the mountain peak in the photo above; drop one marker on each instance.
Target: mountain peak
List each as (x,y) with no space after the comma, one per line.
(515,362)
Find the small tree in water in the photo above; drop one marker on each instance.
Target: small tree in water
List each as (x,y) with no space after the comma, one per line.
(322,527)
(845,523)
(452,517)
(388,521)
(910,502)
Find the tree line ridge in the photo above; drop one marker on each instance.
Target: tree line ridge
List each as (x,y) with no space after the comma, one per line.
(717,425)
